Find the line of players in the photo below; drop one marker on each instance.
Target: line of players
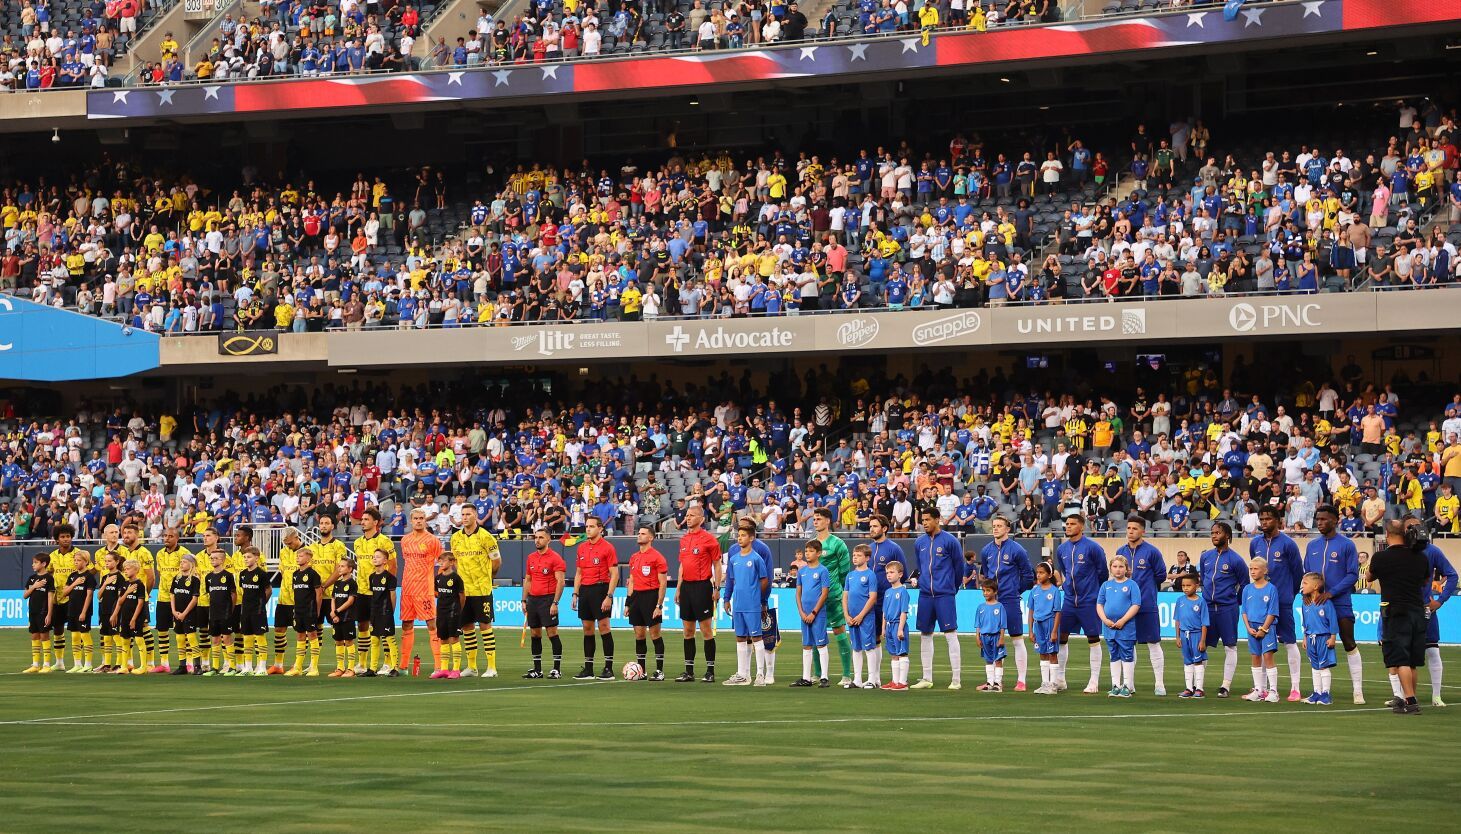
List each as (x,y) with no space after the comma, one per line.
(323,591)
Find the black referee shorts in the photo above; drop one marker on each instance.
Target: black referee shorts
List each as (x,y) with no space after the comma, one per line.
(540,612)
(643,609)
(697,601)
(1404,636)
(591,601)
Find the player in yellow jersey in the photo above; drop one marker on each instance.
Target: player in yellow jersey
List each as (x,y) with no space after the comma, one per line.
(63,564)
(365,547)
(134,550)
(478,560)
(168,561)
(284,607)
(243,539)
(325,555)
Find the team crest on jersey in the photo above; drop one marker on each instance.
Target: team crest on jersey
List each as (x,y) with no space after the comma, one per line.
(749,563)
(596,560)
(1224,568)
(644,569)
(1141,563)
(1265,597)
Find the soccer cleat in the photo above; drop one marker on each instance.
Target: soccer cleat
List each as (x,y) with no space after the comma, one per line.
(469,673)
(1253,695)
(1114,692)
(349,673)
(554,674)
(181,670)
(32,669)
(1294,696)
(708,677)
(1395,703)
(295,671)
(159,669)
(799,683)
(338,672)
(1403,707)
(586,674)
(1272,697)
(824,683)
(657,675)
(368,673)
(1199,693)
(1312,699)
(1437,702)
(607,674)
(1359,699)
(276,670)
(770,680)
(385,671)
(1160,691)
(139,671)
(1325,699)
(889,686)
(198,670)
(1223,692)
(923,683)
(955,685)
(1019,686)
(453,674)
(1093,689)
(1186,693)
(844,682)
(1124,692)
(210,674)
(687,677)
(313,672)
(984,687)
(436,676)
(1060,686)
(490,673)
(261,672)
(760,681)
(737,680)
(394,673)
(869,685)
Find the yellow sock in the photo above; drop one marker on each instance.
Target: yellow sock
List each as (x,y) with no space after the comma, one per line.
(301,650)
(88,654)
(35,652)
(314,652)
(141,645)
(261,650)
(108,651)
(393,652)
(374,653)
(489,645)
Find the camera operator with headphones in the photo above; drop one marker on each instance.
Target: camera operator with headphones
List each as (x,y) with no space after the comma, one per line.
(1403,571)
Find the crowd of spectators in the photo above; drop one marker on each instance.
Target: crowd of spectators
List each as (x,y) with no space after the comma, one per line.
(699,234)
(65,43)
(1183,453)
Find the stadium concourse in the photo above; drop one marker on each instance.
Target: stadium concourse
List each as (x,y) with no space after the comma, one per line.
(956,222)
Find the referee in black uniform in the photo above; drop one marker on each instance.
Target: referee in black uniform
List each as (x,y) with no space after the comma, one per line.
(1402,571)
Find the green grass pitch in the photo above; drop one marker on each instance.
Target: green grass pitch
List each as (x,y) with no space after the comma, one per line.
(154,753)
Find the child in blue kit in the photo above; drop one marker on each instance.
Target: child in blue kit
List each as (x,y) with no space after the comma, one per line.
(812,584)
(895,627)
(1117,605)
(989,624)
(1260,614)
(859,601)
(1192,623)
(1044,602)
(1320,623)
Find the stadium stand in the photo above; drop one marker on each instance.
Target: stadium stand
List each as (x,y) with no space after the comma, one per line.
(69,43)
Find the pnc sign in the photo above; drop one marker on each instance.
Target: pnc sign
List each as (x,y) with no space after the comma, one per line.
(1247,318)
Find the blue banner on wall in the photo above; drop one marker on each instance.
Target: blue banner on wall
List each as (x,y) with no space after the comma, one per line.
(45,344)
(508,612)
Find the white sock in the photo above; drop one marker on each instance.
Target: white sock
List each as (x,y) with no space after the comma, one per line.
(1095,666)
(1188,674)
(806,664)
(1328,680)
(743,659)
(1356,671)
(1395,685)
(1258,678)
(1115,674)
(875,664)
(1199,676)
(1062,659)
(900,669)
(822,656)
(1044,673)
(1230,665)
(1318,680)
(1434,666)
(770,663)
(989,673)
(1159,665)
(956,656)
(925,654)
(1271,673)
(759,647)
(1128,673)
(857,667)
(1022,659)
(1295,659)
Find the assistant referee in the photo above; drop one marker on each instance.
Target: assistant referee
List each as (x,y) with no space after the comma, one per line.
(1402,570)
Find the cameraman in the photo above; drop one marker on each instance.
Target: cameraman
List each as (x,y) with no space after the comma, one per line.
(1402,570)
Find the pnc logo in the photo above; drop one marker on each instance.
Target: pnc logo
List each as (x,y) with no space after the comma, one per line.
(1245,317)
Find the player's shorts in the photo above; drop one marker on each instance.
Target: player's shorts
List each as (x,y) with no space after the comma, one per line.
(361,609)
(1121,648)
(940,608)
(305,621)
(540,612)
(344,631)
(79,625)
(1014,617)
(591,600)
(1284,628)
(1079,619)
(697,601)
(423,608)
(220,626)
(814,633)
(835,618)
(1148,626)
(990,649)
(1321,654)
(254,622)
(747,623)
(893,645)
(1343,607)
(643,610)
(1258,646)
(1190,641)
(1223,624)
(1433,630)
(448,625)
(38,624)
(382,625)
(107,629)
(865,635)
(477,610)
(1043,633)
(186,625)
(283,615)
(1404,641)
(163,617)
(128,630)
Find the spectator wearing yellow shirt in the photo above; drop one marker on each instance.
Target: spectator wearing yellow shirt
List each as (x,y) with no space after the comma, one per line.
(1101,438)
(631,301)
(283,314)
(168,47)
(1448,511)
(776,186)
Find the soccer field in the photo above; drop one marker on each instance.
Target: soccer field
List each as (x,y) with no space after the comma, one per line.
(155,753)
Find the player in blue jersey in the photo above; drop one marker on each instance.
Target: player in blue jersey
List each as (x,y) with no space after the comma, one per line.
(1320,623)
(812,590)
(746,542)
(1149,570)
(859,600)
(1117,604)
(1224,573)
(1440,589)
(989,626)
(1285,566)
(885,551)
(1044,602)
(940,560)
(1080,568)
(1260,618)
(1192,624)
(1333,556)
(746,582)
(1006,561)
(895,627)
